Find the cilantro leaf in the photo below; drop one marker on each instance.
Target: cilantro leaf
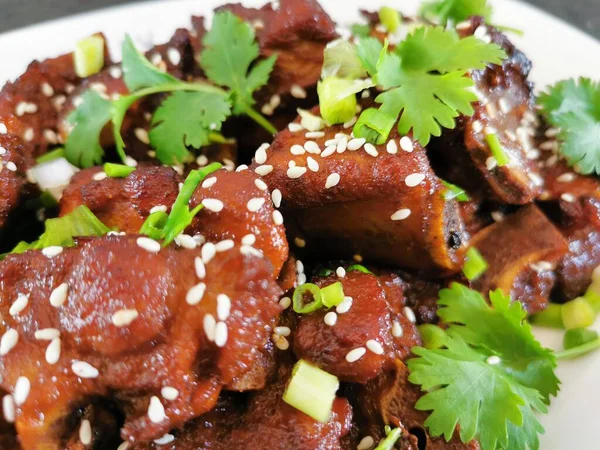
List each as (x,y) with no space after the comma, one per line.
(455,10)
(175,128)
(368,51)
(230,49)
(574,107)
(138,72)
(82,147)
(491,377)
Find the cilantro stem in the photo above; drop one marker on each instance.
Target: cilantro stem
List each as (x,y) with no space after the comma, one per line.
(259,119)
(578,351)
(172,87)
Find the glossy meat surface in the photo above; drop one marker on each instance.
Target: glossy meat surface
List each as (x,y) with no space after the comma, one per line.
(167,344)
(354,216)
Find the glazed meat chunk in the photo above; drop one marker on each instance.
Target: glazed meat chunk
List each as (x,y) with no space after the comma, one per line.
(367,332)
(161,331)
(351,198)
(237,205)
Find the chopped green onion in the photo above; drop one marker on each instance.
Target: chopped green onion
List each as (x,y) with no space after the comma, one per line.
(358,267)
(341,60)
(578,351)
(332,295)
(325,272)
(117,170)
(391,439)
(474,265)
(334,107)
(433,336)
(89,56)
(311,390)
(506,29)
(154,224)
(299,303)
(551,317)
(51,156)
(390,18)
(374,125)
(496,149)
(578,314)
(181,216)
(360,30)
(309,121)
(453,192)
(593,298)
(578,337)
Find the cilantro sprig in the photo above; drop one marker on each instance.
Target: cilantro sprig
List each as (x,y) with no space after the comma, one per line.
(443,11)
(491,377)
(193,114)
(574,107)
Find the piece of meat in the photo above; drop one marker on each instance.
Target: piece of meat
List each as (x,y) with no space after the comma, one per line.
(125,203)
(388,208)
(369,326)
(14,154)
(521,252)
(173,341)
(505,107)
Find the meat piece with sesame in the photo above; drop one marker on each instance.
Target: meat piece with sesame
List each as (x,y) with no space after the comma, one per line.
(382,202)
(371,328)
(121,318)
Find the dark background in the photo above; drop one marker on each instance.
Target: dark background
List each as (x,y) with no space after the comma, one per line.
(585,14)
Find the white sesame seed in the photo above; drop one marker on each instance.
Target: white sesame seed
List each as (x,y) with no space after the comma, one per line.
(174,56)
(297,150)
(263,170)
(491,163)
(142,135)
(552,132)
(195,294)
(533,154)
(50,136)
(397,330)
(314,134)
(59,295)
(350,123)
(202,160)
(3,129)
(124,317)
(299,242)
(536,179)
(542,266)
(498,216)
(199,267)
(20,109)
(47,334)
(548,145)
(47,90)
(493,360)
(148,244)
(282,331)
(299,266)
(568,197)
(276,196)
(406,144)
(11,166)
(312,164)
(249,239)
(477,126)
(371,150)
(213,204)
(52,251)
(401,214)
(312,147)
(209,182)
(199,239)
(356,354)
(8,408)
(410,314)
(330,150)
(260,184)
(375,347)
(254,204)
(223,306)
(332,180)
(280,342)
(330,318)
(414,179)
(391,147)
(2,151)
(124,446)
(566,177)
(274,101)
(301,278)
(28,134)
(340,272)
(365,443)
(294,127)
(504,105)
(552,160)
(341,146)
(22,388)
(169,393)
(130,162)
(115,72)
(220,334)
(296,172)
(285,302)
(84,370)
(53,351)
(297,91)
(344,306)
(249,250)
(8,341)
(185,241)
(166,438)
(463,25)
(277,218)
(356,143)
(209,323)
(156,410)
(260,156)
(19,304)
(85,432)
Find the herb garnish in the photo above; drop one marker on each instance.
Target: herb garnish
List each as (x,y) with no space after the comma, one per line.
(574,108)
(491,377)
(194,113)
(443,11)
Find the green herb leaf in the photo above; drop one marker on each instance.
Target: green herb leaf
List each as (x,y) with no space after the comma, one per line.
(82,147)
(368,51)
(175,127)
(453,192)
(138,72)
(230,49)
(574,107)
(360,30)
(340,59)
(390,440)
(455,10)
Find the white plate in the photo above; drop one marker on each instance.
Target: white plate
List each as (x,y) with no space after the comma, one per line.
(558,51)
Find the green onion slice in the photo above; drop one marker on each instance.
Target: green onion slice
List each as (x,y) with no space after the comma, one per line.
(51,156)
(391,439)
(299,302)
(360,30)
(390,18)
(359,268)
(117,170)
(551,317)
(578,313)
(325,272)
(497,149)
(475,265)
(335,107)
(374,125)
(578,337)
(332,295)
(311,390)
(154,224)
(453,192)
(89,56)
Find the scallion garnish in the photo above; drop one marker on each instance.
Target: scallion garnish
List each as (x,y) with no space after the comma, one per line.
(577,313)
(332,295)
(453,192)
(358,267)
(475,265)
(360,30)
(325,272)
(374,125)
(88,57)
(551,317)
(51,156)
(391,438)
(390,18)
(299,298)
(154,224)
(336,105)
(117,170)
(578,337)
(497,149)
(311,390)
